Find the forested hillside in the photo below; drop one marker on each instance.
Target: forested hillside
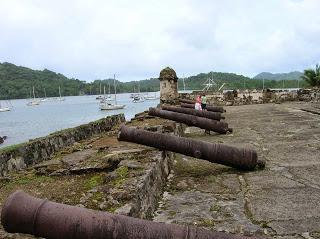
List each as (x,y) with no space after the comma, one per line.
(294,75)
(17,82)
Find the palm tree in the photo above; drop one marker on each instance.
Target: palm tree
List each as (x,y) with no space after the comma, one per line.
(312,76)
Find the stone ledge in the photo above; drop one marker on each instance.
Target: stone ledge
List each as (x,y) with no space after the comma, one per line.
(20,156)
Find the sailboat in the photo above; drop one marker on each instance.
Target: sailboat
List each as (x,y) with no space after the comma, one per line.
(109,93)
(109,106)
(3,109)
(45,96)
(148,97)
(34,101)
(104,98)
(100,97)
(60,98)
(139,97)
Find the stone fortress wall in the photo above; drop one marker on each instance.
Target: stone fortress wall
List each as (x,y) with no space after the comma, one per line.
(20,156)
(247,97)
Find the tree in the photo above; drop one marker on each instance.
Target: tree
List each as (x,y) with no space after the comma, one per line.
(312,76)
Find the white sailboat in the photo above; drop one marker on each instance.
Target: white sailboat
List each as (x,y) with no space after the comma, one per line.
(100,97)
(104,98)
(60,98)
(33,102)
(3,109)
(109,93)
(139,98)
(109,106)
(151,97)
(45,96)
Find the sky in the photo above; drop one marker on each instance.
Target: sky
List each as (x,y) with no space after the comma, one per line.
(94,39)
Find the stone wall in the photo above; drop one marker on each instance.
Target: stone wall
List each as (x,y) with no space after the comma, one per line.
(256,96)
(148,187)
(20,156)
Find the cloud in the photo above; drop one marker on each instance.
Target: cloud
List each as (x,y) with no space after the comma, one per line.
(135,39)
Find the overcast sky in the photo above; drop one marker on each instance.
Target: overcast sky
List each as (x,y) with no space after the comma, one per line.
(135,39)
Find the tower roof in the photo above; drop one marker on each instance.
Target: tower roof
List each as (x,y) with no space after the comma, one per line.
(168,74)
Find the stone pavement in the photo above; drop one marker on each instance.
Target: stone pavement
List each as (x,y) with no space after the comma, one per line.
(281,201)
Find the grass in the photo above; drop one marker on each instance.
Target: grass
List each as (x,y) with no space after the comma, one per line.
(215,208)
(94,181)
(206,223)
(11,147)
(122,174)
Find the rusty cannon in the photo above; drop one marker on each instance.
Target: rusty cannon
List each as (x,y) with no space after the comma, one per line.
(209,107)
(191,120)
(23,213)
(240,158)
(199,113)
(187,101)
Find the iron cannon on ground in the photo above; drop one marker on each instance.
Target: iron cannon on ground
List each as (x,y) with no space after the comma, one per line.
(199,113)
(209,107)
(191,120)
(240,158)
(23,213)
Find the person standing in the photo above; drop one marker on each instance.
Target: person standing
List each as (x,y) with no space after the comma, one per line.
(204,102)
(197,105)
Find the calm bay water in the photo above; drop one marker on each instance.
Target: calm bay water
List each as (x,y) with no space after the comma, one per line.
(28,122)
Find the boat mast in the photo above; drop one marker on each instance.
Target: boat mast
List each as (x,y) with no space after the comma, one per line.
(115,89)
(100,89)
(34,96)
(184,84)
(59,92)
(45,94)
(104,93)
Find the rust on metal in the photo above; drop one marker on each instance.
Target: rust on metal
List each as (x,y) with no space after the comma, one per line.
(23,213)
(241,158)
(187,101)
(191,120)
(199,113)
(209,107)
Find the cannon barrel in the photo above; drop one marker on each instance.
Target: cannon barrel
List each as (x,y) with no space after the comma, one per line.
(187,101)
(209,107)
(191,120)
(200,113)
(241,158)
(23,213)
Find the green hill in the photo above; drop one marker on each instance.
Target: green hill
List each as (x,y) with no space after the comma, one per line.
(17,81)
(295,75)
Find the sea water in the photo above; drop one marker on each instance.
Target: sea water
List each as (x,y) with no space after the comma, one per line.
(28,122)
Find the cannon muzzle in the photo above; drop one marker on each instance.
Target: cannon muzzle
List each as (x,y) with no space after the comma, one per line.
(23,213)
(191,120)
(199,113)
(241,158)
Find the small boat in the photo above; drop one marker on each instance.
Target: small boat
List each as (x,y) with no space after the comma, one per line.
(105,97)
(99,97)
(148,97)
(108,106)
(60,98)
(3,109)
(45,99)
(138,99)
(33,102)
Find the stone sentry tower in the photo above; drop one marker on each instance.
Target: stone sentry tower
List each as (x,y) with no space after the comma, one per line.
(168,86)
